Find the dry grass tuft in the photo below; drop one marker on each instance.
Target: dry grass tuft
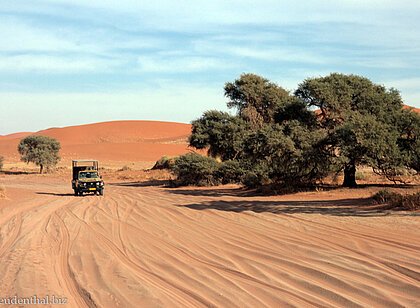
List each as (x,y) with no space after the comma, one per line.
(2,192)
(398,201)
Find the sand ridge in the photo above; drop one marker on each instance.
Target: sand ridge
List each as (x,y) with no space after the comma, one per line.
(113,141)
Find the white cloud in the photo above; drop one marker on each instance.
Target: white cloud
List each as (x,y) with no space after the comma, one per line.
(56,64)
(18,36)
(192,16)
(405,84)
(180,64)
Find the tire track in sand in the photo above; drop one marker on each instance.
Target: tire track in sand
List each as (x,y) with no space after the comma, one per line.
(163,284)
(16,229)
(80,295)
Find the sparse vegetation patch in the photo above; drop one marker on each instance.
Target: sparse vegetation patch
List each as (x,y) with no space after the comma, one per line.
(166,162)
(397,200)
(2,192)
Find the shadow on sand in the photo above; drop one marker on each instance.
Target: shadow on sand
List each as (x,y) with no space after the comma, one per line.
(142,183)
(362,207)
(9,172)
(265,191)
(54,194)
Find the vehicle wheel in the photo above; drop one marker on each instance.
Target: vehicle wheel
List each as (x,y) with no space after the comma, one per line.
(80,193)
(101,191)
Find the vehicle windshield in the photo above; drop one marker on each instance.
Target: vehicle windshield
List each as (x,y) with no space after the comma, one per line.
(88,174)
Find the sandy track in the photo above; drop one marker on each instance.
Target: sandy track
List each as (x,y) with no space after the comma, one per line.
(152,246)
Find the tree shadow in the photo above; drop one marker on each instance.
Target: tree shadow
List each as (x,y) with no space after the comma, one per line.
(217,192)
(142,183)
(362,207)
(55,194)
(9,172)
(270,190)
(387,185)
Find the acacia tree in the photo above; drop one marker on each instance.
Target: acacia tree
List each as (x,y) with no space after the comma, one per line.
(41,150)
(361,121)
(255,98)
(219,132)
(409,140)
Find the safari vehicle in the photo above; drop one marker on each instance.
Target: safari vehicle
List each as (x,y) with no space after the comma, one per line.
(86,177)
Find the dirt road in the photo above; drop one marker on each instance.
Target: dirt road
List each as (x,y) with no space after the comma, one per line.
(147,246)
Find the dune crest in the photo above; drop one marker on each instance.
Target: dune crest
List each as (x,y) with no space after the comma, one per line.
(113,141)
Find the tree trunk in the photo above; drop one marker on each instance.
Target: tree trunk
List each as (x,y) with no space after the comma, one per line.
(41,167)
(350,175)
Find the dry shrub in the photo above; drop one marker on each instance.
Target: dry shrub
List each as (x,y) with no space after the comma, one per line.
(124,168)
(360,175)
(2,192)
(398,201)
(166,162)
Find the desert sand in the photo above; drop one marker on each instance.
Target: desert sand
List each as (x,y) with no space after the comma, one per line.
(152,246)
(146,245)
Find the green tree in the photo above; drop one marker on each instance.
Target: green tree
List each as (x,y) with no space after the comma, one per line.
(255,98)
(288,153)
(1,162)
(361,122)
(219,132)
(41,150)
(409,139)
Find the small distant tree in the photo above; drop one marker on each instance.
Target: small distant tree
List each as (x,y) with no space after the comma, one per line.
(1,162)
(40,150)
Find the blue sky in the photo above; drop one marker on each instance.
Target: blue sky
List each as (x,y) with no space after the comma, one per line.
(76,62)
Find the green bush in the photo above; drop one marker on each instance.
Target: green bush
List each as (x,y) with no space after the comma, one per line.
(165,162)
(231,171)
(1,162)
(196,169)
(258,175)
(396,200)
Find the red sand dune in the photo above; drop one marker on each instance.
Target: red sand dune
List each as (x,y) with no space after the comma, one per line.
(119,132)
(15,135)
(415,109)
(114,141)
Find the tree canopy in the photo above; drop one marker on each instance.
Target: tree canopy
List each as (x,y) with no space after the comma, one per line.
(41,150)
(255,98)
(361,120)
(219,132)
(279,137)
